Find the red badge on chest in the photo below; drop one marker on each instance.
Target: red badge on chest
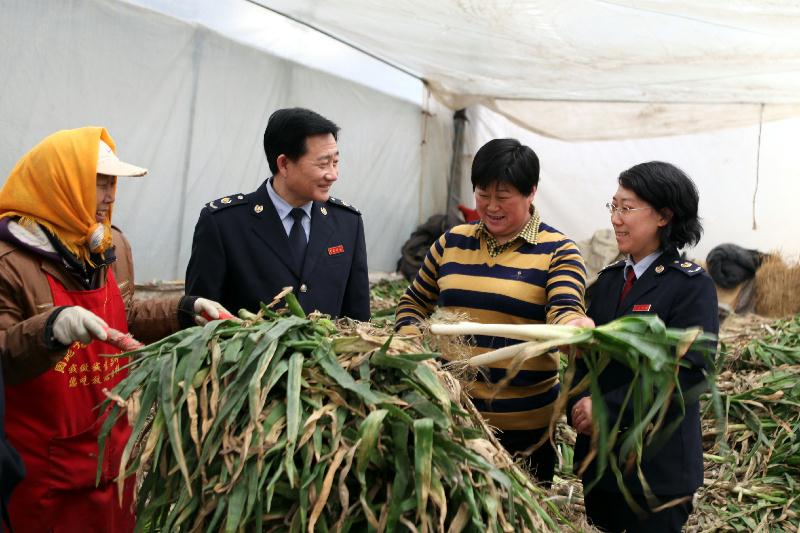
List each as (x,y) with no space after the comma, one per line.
(641,307)
(333,250)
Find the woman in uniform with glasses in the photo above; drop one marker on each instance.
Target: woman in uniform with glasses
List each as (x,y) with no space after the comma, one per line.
(654,213)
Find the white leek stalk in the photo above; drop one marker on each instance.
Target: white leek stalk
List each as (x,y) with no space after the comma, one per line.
(526,350)
(500,354)
(522,332)
(541,338)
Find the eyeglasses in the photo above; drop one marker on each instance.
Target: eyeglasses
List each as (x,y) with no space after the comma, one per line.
(623,211)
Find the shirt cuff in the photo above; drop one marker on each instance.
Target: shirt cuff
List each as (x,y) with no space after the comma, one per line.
(50,341)
(186,311)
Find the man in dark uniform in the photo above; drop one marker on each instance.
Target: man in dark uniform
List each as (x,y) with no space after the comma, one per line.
(289,232)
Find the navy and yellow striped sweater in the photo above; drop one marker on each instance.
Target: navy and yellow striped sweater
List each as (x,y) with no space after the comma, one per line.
(538,279)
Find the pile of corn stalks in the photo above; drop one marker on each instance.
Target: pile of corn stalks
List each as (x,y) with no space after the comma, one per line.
(281,424)
(384,296)
(753,469)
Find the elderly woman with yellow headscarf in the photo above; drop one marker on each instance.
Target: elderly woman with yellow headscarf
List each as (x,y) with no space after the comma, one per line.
(66,277)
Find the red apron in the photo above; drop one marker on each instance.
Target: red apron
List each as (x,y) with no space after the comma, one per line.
(53,422)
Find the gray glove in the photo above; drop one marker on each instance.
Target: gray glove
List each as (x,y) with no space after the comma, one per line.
(78,324)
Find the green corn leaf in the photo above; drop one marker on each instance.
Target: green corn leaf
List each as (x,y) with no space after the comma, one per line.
(423,454)
(293,396)
(368,433)
(345,380)
(171,416)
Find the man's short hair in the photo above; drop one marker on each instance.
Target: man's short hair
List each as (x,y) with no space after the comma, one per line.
(506,161)
(287,131)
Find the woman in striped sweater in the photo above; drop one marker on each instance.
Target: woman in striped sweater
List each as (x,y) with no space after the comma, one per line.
(508,268)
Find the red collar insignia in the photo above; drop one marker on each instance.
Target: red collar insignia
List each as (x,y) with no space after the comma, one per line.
(641,308)
(333,250)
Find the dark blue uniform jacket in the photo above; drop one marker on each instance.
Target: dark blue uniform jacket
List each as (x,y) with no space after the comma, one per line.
(683,295)
(11,469)
(241,257)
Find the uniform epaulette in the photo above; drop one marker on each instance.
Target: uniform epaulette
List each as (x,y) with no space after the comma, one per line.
(687,267)
(336,201)
(615,264)
(226,201)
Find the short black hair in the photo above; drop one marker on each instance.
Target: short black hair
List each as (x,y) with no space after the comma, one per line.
(665,186)
(508,161)
(287,130)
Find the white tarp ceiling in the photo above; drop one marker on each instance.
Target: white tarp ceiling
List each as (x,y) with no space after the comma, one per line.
(640,67)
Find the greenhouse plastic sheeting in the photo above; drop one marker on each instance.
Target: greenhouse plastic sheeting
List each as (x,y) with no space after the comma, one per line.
(504,54)
(191,105)
(738,184)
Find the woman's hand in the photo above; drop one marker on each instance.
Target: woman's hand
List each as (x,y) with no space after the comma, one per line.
(582,416)
(75,323)
(582,322)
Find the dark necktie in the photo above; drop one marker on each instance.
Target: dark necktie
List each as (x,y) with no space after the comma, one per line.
(630,277)
(297,237)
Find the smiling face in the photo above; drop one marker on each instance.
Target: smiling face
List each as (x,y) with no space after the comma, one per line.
(637,232)
(503,209)
(309,177)
(106,190)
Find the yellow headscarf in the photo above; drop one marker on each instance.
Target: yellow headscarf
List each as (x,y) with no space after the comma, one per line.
(55,185)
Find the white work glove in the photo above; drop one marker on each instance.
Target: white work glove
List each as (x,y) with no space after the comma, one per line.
(206,310)
(78,324)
